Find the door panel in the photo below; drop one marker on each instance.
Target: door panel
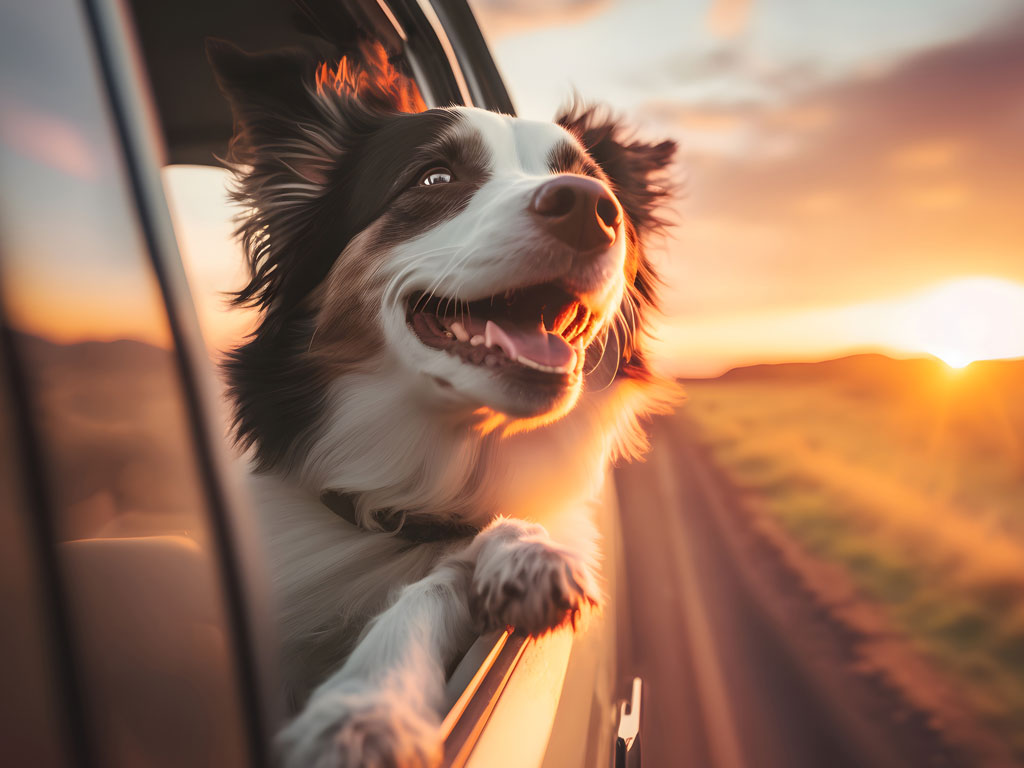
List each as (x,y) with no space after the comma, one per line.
(137,558)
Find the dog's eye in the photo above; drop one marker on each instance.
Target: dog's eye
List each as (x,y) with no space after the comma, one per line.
(436,176)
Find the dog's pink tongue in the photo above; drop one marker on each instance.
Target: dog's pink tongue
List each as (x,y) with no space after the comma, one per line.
(534,344)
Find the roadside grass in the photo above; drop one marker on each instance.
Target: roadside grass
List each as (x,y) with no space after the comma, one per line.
(913,482)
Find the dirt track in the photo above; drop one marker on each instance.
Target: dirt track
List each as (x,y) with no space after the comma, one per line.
(742,668)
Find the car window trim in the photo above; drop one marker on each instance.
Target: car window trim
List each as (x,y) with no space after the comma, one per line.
(473,56)
(467,717)
(429,52)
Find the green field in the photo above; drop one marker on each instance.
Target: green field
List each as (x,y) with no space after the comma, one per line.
(910,476)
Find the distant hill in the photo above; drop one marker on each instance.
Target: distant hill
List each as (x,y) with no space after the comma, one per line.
(879,370)
(121,354)
(113,423)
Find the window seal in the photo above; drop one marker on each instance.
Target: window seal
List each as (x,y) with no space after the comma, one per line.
(474,56)
(469,714)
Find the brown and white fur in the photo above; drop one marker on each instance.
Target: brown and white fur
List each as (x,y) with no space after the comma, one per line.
(350,241)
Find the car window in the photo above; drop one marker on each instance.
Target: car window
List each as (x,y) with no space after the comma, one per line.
(91,333)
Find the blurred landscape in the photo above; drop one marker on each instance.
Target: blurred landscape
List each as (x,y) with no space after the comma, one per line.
(115,430)
(908,475)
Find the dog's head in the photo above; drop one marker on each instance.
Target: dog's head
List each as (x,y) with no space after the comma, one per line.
(497,262)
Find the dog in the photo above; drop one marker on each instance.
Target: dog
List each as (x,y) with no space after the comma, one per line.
(453,305)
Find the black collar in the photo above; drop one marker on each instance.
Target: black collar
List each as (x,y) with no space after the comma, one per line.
(398,523)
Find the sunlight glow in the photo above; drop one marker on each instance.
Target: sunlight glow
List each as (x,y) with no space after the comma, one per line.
(958,321)
(955,360)
(963,320)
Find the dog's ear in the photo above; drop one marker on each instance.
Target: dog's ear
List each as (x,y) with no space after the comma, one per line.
(297,121)
(282,153)
(269,93)
(637,171)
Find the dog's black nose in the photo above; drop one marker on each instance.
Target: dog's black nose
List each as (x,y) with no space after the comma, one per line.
(580,211)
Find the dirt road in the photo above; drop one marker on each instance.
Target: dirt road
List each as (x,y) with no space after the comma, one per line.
(742,669)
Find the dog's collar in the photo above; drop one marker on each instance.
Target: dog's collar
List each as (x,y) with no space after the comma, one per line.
(398,523)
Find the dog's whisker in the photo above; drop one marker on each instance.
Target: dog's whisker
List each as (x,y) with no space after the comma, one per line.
(619,349)
(601,341)
(434,286)
(312,338)
(392,292)
(612,330)
(461,256)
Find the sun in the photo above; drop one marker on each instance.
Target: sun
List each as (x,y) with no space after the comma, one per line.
(954,359)
(963,320)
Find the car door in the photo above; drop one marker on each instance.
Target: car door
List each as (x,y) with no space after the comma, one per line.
(127,624)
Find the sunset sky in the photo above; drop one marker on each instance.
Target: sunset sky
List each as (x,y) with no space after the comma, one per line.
(835,155)
(853,172)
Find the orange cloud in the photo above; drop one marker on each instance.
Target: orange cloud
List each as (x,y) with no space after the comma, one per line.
(728,18)
(47,139)
(927,155)
(935,197)
(499,18)
(821,203)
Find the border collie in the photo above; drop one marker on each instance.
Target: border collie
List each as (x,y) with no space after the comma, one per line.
(452,308)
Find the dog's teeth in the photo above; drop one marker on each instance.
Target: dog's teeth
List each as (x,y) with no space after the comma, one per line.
(563,320)
(477,340)
(460,331)
(539,367)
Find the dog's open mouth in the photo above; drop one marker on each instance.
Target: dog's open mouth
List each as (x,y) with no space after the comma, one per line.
(541,328)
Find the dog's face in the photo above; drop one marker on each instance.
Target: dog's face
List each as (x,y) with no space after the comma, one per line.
(495,261)
(498,258)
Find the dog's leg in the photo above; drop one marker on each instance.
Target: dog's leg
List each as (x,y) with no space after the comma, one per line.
(382,708)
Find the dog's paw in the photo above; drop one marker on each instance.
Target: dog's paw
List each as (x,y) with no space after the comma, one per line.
(360,729)
(533,585)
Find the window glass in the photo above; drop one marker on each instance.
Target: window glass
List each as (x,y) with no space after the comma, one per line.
(137,553)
